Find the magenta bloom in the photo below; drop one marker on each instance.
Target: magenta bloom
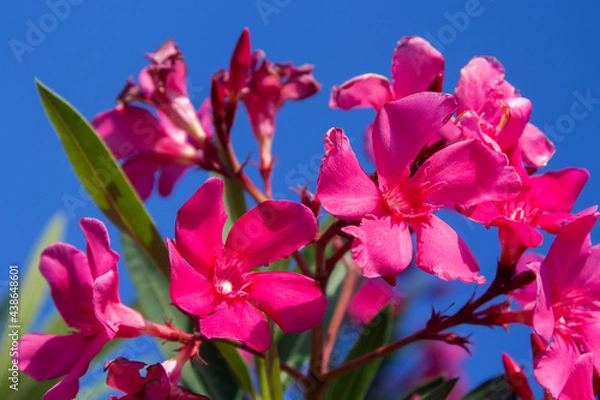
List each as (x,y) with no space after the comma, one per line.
(567,312)
(220,288)
(264,87)
(461,174)
(545,202)
(84,287)
(371,298)
(416,67)
(165,146)
(156,384)
(504,114)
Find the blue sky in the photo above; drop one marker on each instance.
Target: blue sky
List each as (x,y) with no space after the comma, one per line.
(550,52)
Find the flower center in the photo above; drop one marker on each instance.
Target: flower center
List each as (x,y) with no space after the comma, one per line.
(409,198)
(225,287)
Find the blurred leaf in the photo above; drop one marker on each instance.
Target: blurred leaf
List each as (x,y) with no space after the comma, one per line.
(355,383)
(32,290)
(263,378)
(425,387)
(238,366)
(273,371)
(496,388)
(102,176)
(441,391)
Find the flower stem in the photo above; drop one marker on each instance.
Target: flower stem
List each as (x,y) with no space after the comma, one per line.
(341,306)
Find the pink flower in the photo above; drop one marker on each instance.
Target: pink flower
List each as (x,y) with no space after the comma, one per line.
(264,87)
(567,312)
(165,146)
(371,298)
(218,285)
(84,287)
(156,384)
(462,174)
(503,113)
(545,202)
(163,86)
(149,146)
(416,67)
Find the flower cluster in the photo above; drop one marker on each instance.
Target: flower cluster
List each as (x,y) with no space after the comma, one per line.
(474,153)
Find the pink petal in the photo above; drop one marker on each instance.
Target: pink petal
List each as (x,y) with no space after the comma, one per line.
(416,67)
(300,82)
(519,114)
(118,319)
(565,251)
(370,299)
(482,88)
(537,149)
(169,176)
(68,274)
(238,319)
(403,127)
(543,315)
(381,246)
(558,190)
(140,171)
(272,230)
(524,232)
(527,295)
(127,129)
(554,365)
(101,258)
(124,375)
(205,115)
(443,253)
(591,330)
(369,90)
(579,385)
(199,226)
(68,387)
(189,289)
(295,302)
(49,356)
(368,146)
(553,222)
(239,65)
(343,188)
(470,173)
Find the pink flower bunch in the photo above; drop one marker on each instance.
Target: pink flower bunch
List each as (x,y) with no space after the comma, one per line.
(474,153)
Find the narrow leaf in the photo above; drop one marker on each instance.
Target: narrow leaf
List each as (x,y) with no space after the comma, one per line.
(440,392)
(102,176)
(32,291)
(496,388)
(355,383)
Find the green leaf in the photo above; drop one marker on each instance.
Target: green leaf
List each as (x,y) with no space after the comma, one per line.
(495,388)
(425,387)
(440,392)
(355,383)
(272,367)
(238,366)
(32,292)
(102,176)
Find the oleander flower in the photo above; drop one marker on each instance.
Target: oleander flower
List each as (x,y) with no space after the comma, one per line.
(460,175)
(219,286)
(161,147)
(84,287)
(567,312)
